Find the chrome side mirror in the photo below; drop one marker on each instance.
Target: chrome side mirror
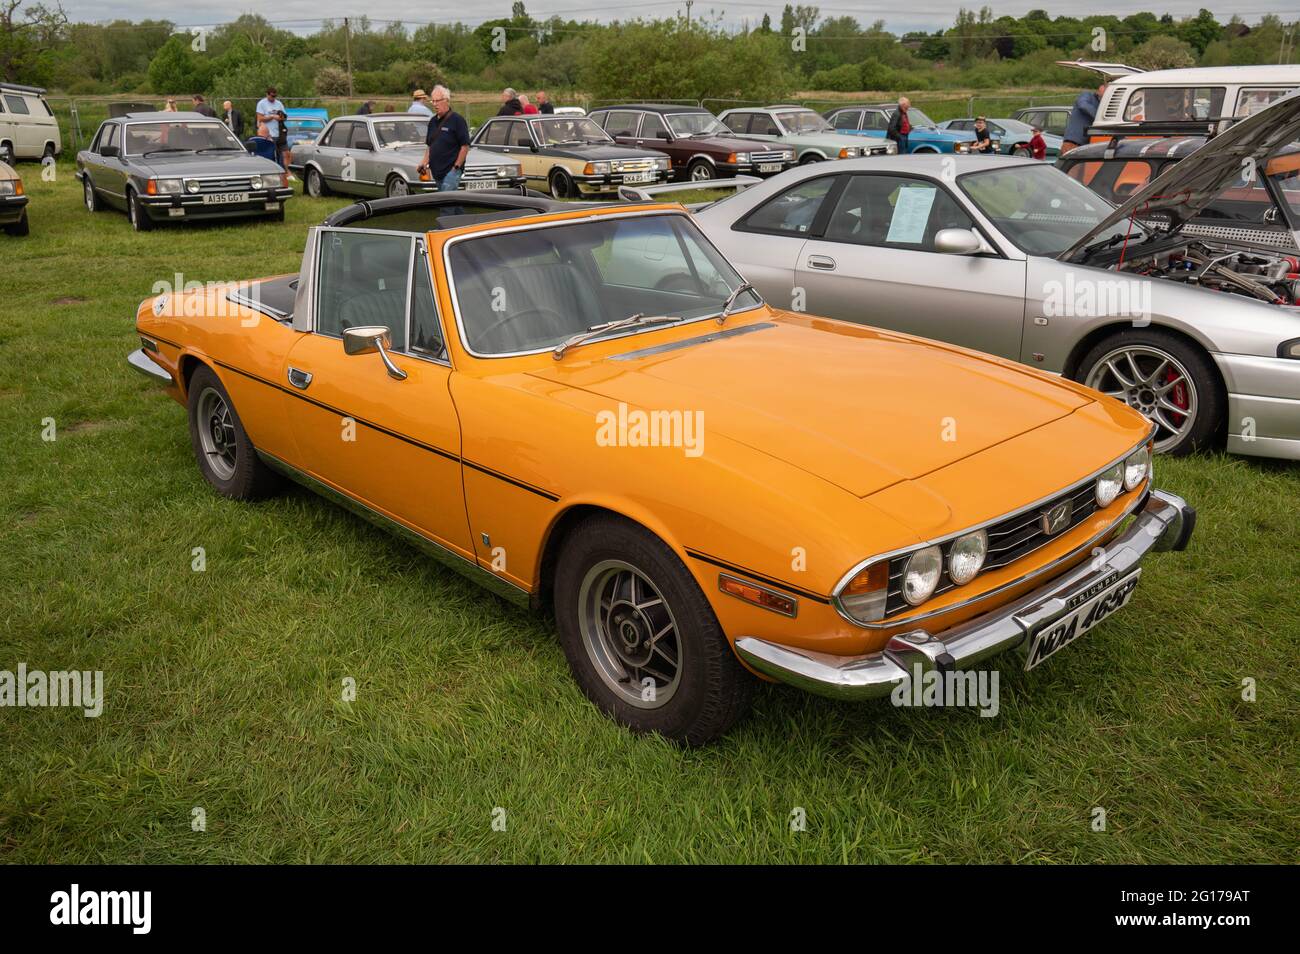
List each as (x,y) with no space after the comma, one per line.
(957,242)
(372,339)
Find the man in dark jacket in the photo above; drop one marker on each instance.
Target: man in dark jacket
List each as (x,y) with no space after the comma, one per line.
(510,105)
(544,104)
(1081,117)
(899,125)
(202,108)
(233,118)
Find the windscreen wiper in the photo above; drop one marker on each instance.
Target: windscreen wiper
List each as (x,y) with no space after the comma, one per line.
(731,300)
(595,331)
(168,149)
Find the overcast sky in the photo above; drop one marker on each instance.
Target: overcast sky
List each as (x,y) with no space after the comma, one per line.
(303,15)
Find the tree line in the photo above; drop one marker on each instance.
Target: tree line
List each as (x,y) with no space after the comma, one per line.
(669,58)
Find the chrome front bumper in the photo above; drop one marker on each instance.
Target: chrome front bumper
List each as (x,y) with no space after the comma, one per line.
(140,360)
(1165,522)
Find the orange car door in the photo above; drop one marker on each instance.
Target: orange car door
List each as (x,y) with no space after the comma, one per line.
(393,445)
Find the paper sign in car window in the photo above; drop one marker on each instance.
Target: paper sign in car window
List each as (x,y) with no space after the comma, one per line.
(911,213)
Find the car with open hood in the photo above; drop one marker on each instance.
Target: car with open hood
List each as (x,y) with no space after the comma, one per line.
(568,156)
(698,146)
(1198,329)
(13,202)
(381,154)
(588,410)
(872,121)
(812,137)
(177,167)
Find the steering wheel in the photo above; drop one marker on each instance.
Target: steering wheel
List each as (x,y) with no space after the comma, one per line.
(519,315)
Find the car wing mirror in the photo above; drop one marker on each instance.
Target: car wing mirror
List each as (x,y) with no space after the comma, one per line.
(108,152)
(667,137)
(372,339)
(957,242)
(365,144)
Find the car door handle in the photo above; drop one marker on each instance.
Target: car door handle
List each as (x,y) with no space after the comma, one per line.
(299,378)
(823,262)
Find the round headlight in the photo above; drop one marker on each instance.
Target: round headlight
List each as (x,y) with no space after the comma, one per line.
(921,575)
(966,556)
(191,185)
(255,182)
(1136,468)
(1109,484)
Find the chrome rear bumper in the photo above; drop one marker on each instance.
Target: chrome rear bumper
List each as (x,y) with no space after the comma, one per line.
(1165,522)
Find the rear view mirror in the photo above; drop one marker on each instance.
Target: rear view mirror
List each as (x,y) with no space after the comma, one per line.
(372,339)
(957,242)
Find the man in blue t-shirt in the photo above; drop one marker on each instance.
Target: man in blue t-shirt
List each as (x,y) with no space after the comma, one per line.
(447,142)
(271,111)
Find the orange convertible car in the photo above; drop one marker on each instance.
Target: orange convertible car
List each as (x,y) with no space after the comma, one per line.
(589,410)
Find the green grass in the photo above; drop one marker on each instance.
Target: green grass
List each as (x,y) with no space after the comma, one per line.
(223,687)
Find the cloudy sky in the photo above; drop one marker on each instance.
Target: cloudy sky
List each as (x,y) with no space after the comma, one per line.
(303,15)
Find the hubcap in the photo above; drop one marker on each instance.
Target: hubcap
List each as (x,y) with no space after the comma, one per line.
(630,634)
(313,184)
(216,428)
(90,197)
(701,172)
(1153,382)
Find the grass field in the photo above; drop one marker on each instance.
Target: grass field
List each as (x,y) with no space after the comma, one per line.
(223,687)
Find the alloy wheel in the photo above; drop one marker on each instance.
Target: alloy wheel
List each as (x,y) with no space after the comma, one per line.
(216,427)
(1152,382)
(629,633)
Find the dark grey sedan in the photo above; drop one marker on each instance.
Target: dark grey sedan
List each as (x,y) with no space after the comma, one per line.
(161,167)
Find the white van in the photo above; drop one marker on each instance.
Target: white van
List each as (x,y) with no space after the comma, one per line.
(28,129)
(1195,95)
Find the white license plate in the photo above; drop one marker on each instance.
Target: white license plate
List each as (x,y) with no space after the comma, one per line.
(225,198)
(769,167)
(1095,604)
(474,184)
(638,177)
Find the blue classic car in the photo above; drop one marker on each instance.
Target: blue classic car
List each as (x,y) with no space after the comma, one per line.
(1014,135)
(873,120)
(304,125)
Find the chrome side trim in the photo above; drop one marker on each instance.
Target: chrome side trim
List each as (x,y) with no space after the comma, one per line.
(149,367)
(239,298)
(304,299)
(1077,485)
(1164,523)
(692,342)
(448,558)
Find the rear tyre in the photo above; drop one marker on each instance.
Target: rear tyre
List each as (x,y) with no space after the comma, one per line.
(140,220)
(640,637)
(48,153)
(1170,381)
(224,453)
(1021,152)
(91,196)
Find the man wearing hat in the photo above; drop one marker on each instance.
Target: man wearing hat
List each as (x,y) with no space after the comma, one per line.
(420,103)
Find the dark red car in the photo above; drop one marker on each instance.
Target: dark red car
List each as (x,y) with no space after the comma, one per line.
(698,145)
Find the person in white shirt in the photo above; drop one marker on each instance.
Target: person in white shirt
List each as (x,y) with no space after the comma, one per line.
(420,103)
(271,111)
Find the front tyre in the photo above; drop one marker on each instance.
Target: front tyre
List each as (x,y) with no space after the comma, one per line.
(224,453)
(700,171)
(397,186)
(135,211)
(561,185)
(1171,382)
(91,197)
(313,185)
(19,228)
(640,637)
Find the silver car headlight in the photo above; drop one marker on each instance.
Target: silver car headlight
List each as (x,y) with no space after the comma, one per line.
(507,172)
(168,186)
(1289,349)
(966,557)
(662,164)
(192,185)
(7,187)
(600,168)
(742,157)
(1109,484)
(848,152)
(921,574)
(1136,467)
(255,182)
(962,147)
